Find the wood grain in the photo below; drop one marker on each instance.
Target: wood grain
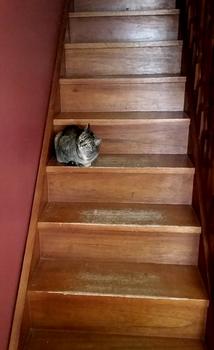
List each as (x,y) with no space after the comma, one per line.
(122,94)
(59,340)
(144,217)
(91,27)
(150,179)
(128,188)
(111,244)
(140,163)
(60,291)
(120,232)
(123,59)
(122,5)
(162,12)
(134,136)
(129,280)
(176,318)
(105,118)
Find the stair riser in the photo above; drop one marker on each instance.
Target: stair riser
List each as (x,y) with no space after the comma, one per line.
(160,188)
(146,137)
(54,340)
(122,5)
(150,317)
(123,28)
(120,97)
(95,242)
(123,61)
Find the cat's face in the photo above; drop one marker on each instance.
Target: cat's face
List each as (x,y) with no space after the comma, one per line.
(88,143)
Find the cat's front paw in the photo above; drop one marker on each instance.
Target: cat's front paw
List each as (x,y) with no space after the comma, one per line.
(87,165)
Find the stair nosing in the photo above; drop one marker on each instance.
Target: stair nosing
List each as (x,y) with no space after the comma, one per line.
(191,230)
(59,169)
(157,12)
(118,296)
(156,168)
(131,44)
(109,121)
(124,79)
(105,118)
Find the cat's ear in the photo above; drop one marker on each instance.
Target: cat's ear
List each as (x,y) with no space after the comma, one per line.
(87,128)
(97,141)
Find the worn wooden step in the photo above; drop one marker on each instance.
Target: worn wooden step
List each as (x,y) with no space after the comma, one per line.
(134,132)
(138,299)
(65,340)
(120,94)
(124,26)
(159,57)
(122,5)
(120,232)
(160,179)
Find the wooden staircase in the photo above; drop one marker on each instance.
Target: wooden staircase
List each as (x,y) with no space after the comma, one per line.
(116,246)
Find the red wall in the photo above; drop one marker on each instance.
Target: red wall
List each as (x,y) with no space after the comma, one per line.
(28,37)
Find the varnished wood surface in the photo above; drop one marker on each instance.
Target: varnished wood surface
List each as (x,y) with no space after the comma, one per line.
(159,12)
(125,163)
(119,315)
(123,26)
(132,187)
(122,5)
(121,94)
(120,232)
(128,79)
(102,118)
(160,185)
(123,59)
(148,218)
(118,280)
(58,297)
(160,179)
(56,340)
(119,243)
(123,45)
(149,135)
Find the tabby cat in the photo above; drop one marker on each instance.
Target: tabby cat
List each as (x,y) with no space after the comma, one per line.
(76,146)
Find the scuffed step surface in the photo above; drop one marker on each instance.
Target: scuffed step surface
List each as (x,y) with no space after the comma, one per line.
(118,280)
(156,217)
(138,163)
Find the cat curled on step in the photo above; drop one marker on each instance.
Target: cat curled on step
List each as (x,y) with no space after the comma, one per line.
(76,146)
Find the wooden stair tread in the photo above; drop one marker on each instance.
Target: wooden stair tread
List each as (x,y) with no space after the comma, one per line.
(106,118)
(107,45)
(129,79)
(65,340)
(124,13)
(155,163)
(131,280)
(155,217)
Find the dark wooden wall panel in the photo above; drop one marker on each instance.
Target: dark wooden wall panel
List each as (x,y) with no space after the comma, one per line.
(198,30)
